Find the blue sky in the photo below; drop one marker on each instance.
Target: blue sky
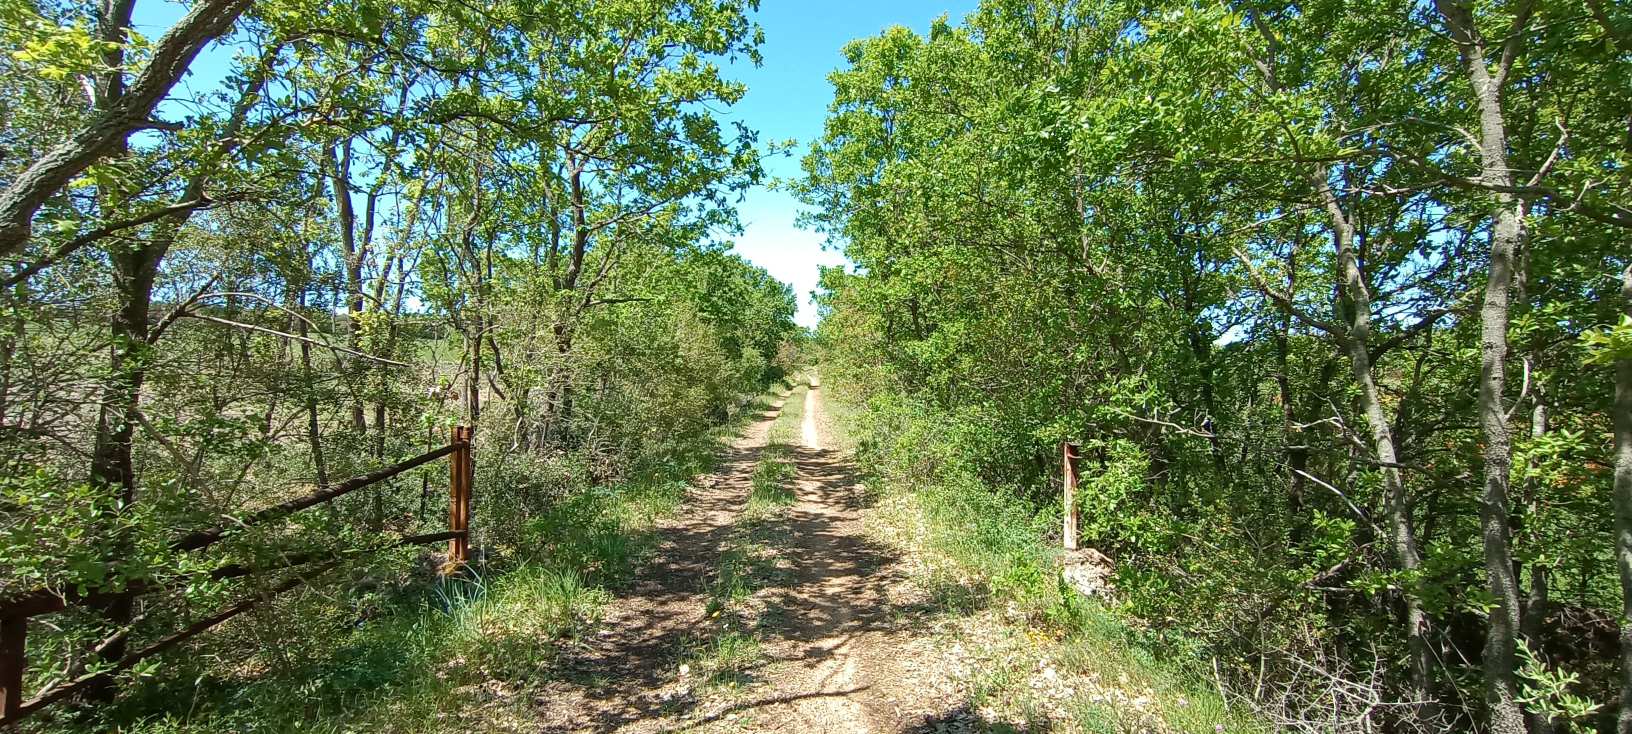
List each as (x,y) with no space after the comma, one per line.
(787,98)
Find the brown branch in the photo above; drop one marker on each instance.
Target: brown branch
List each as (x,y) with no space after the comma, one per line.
(179,311)
(1153,421)
(1284,301)
(610,301)
(68,248)
(171,57)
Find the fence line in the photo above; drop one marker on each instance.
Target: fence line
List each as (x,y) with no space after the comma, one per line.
(16,611)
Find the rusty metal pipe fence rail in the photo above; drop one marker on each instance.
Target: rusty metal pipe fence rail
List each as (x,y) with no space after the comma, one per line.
(16,611)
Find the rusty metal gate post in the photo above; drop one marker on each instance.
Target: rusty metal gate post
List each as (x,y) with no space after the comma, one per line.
(13,661)
(470,488)
(1069,453)
(461,475)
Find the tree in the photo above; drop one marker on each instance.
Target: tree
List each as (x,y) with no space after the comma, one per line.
(1106,223)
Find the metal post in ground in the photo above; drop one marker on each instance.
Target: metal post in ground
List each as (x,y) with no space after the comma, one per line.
(13,662)
(459,498)
(1069,453)
(469,486)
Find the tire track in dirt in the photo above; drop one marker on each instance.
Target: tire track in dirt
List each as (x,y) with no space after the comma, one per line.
(830,692)
(625,678)
(834,631)
(838,638)
(808,428)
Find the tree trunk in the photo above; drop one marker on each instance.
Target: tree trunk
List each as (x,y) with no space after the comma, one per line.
(1534,618)
(473,379)
(1297,455)
(106,131)
(340,180)
(1500,661)
(112,459)
(558,401)
(314,429)
(1500,655)
(1201,349)
(1623,509)
(135,268)
(1353,289)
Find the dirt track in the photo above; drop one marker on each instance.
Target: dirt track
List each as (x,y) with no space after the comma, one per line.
(835,654)
(831,665)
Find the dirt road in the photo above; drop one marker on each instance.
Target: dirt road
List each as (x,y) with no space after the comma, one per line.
(832,668)
(835,654)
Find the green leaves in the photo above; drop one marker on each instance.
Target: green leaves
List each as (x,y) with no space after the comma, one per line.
(54,49)
(1608,344)
(1551,692)
(1117,223)
(61,535)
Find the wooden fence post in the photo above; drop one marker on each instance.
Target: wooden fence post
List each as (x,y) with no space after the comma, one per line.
(461,472)
(1068,458)
(13,662)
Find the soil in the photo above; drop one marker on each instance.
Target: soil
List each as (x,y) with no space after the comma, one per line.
(838,629)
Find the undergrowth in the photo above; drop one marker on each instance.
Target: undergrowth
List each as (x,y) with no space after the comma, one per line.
(390,647)
(771,486)
(1032,653)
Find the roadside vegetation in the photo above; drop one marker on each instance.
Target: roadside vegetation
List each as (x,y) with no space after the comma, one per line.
(1333,296)
(411,652)
(1026,651)
(378,221)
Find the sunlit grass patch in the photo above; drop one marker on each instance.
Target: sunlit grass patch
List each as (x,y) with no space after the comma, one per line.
(722,656)
(787,430)
(772,483)
(466,647)
(771,486)
(509,633)
(724,660)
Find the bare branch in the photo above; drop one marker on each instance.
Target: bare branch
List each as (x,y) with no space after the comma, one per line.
(275,332)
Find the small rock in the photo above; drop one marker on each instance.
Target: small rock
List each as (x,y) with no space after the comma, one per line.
(1089,572)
